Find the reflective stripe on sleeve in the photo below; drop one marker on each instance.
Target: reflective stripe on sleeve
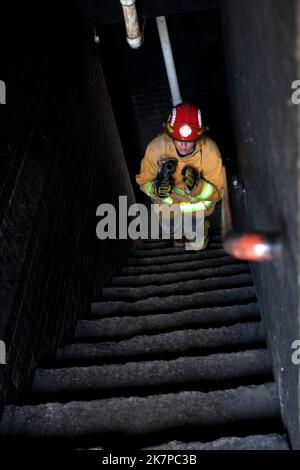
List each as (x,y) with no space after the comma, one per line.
(188,207)
(206,192)
(193,207)
(168,200)
(208,204)
(149,187)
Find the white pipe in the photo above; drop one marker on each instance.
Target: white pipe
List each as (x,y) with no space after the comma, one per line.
(168,58)
(134,37)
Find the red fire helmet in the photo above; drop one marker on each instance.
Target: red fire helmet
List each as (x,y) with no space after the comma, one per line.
(185,123)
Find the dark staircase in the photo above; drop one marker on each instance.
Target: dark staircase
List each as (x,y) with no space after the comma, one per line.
(172,357)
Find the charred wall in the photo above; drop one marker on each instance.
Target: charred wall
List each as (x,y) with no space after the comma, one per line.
(260,39)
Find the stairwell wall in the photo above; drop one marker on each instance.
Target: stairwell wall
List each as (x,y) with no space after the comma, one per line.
(61,157)
(260,39)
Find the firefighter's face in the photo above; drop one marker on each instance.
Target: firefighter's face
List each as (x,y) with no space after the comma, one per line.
(184,147)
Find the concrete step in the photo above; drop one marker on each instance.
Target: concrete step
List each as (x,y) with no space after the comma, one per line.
(227,267)
(258,442)
(124,326)
(176,342)
(182,287)
(155,244)
(168,259)
(158,244)
(217,260)
(170,250)
(210,370)
(175,302)
(134,416)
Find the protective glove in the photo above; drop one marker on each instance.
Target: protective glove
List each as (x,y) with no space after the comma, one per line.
(164,180)
(190,177)
(163,186)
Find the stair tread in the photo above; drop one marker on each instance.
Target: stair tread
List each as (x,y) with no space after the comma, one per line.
(230,266)
(174,302)
(153,243)
(213,368)
(169,259)
(182,287)
(176,341)
(191,265)
(132,325)
(139,415)
(169,250)
(254,442)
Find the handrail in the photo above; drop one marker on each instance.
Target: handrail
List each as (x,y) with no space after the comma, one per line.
(251,246)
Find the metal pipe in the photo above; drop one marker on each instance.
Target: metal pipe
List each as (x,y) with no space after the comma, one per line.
(134,36)
(168,58)
(250,246)
(227,223)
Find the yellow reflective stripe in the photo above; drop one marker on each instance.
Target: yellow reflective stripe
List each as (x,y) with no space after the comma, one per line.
(179,191)
(188,207)
(149,187)
(195,199)
(168,201)
(207,204)
(206,192)
(198,206)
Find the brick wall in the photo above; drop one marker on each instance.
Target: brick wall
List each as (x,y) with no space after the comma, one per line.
(61,157)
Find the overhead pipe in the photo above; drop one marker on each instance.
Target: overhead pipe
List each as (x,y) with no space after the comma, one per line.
(134,36)
(168,58)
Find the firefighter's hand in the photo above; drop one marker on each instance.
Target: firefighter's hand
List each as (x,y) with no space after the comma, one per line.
(190,177)
(163,187)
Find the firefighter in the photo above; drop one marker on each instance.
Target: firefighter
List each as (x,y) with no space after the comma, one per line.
(195,181)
